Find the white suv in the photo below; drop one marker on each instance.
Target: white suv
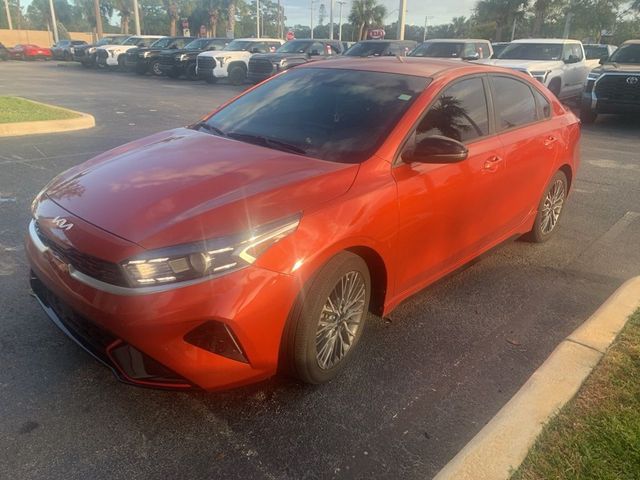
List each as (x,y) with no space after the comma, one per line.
(111,55)
(557,63)
(233,60)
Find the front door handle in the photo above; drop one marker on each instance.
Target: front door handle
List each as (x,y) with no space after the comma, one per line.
(549,141)
(491,164)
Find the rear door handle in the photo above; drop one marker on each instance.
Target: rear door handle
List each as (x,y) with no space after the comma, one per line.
(550,140)
(491,164)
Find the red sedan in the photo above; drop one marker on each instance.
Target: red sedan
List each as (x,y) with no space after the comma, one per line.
(29,52)
(259,239)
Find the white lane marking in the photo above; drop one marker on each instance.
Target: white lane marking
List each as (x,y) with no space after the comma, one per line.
(39,151)
(619,227)
(606,163)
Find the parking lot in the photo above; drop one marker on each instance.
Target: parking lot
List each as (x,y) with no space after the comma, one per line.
(423,383)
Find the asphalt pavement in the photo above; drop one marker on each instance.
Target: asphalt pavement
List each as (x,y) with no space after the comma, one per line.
(424,381)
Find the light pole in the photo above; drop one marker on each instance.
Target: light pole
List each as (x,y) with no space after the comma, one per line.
(257,18)
(401,18)
(331,19)
(312,2)
(426,24)
(136,16)
(6,6)
(54,22)
(96,8)
(340,21)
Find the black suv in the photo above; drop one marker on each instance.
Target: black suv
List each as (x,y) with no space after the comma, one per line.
(177,62)
(292,53)
(86,54)
(614,86)
(381,48)
(144,59)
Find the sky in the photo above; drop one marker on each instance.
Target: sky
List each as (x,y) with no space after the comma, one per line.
(298,11)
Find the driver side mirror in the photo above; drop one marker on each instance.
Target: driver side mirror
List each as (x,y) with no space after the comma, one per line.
(603,59)
(572,59)
(435,149)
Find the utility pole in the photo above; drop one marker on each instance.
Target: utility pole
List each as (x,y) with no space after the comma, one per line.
(312,2)
(279,32)
(426,24)
(6,6)
(331,19)
(567,25)
(136,16)
(513,30)
(257,18)
(96,8)
(341,3)
(54,22)
(401,19)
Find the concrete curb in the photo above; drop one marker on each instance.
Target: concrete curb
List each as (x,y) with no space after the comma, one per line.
(501,446)
(84,120)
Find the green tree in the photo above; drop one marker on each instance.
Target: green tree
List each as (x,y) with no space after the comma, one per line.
(366,14)
(125,10)
(501,13)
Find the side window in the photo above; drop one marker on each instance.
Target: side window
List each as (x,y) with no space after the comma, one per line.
(542,104)
(469,49)
(262,47)
(576,51)
(273,46)
(317,48)
(566,51)
(459,113)
(483,50)
(514,103)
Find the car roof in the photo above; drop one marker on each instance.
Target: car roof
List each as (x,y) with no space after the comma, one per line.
(384,40)
(254,39)
(417,66)
(545,40)
(635,40)
(455,40)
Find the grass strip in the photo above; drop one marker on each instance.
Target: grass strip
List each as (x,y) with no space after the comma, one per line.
(597,434)
(15,109)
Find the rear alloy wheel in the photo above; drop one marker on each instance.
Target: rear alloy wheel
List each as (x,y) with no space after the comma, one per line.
(549,209)
(237,75)
(327,322)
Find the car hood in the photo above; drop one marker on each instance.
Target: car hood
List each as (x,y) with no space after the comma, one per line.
(618,68)
(528,65)
(276,57)
(176,51)
(117,48)
(182,185)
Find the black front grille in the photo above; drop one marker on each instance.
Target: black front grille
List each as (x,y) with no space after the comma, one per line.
(80,52)
(167,60)
(103,54)
(616,88)
(91,336)
(94,267)
(206,63)
(261,66)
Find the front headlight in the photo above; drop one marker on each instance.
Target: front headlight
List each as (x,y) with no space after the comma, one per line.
(146,54)
(91,50)
(207,258)
(540,74)
(182,57)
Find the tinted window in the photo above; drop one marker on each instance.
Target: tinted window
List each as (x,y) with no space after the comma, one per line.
(439,49)
(542,104)
(629,53)
(594,52)
(572,50)
(295,46)
(514,103)
(483,50)
(459,113)
(337,115)
(316,48)
(532,51)
(368,49)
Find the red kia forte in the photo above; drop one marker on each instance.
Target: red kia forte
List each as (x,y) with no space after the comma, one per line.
(258,239)
(29,52)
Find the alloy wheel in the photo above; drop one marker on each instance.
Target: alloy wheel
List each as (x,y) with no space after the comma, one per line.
(340,320)
(552,206)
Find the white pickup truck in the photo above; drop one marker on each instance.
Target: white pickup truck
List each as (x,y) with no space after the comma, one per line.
(112,55)
(232,62)
(557,63)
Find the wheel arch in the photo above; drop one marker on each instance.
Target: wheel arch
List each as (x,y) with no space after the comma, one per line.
(566,169)
(237,63)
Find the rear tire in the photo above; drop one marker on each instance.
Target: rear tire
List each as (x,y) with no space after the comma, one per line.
(327,321)
(155,68)
(550,209)
(191,73)
(555,86)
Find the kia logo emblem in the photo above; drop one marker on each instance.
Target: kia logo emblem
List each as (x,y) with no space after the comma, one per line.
(632,80)
(62,223)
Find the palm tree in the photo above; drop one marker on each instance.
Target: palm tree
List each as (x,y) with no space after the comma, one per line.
(125,9)
(501,12)
(366,14)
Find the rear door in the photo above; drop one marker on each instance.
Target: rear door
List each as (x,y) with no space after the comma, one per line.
(447,211)
(531,137)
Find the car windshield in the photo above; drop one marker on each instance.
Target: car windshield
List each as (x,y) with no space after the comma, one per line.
(367,49)
(198,44)
(131,41)
(162,43)
(295,46)
(532,51)
(239,45)
(629,53)
(438,49)
(498,49)
(79,42)
(331,114)
(593,52)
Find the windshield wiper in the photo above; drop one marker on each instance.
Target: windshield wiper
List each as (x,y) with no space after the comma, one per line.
(267,142)
(210,128)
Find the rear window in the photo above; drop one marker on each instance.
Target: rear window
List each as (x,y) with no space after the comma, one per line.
(439,50)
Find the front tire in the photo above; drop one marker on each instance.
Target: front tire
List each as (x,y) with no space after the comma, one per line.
(327,321)
(550,209)
(237,75)
(155,68)
(191,73)
(588,116)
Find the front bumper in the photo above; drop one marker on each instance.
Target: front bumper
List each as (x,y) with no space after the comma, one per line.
(175,68)
(591,102)
(251,304)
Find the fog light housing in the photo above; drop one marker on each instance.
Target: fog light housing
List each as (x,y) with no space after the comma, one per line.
(216,337)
